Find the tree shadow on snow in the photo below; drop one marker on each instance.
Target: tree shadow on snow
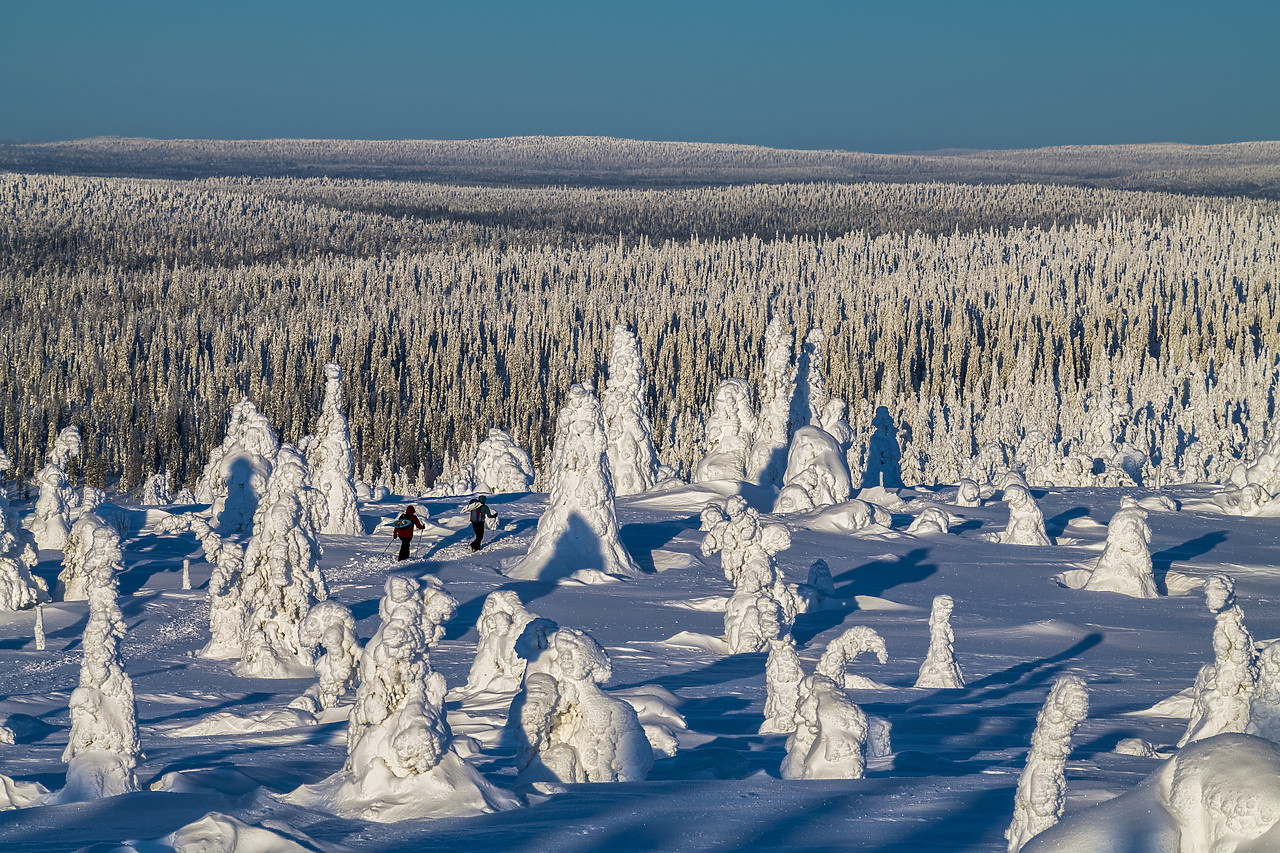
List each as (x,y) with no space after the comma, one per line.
(642,539)
(1162,561)
(1057,526)
(876,577)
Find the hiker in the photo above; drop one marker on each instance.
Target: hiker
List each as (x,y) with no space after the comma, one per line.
(404,530)
(479,509)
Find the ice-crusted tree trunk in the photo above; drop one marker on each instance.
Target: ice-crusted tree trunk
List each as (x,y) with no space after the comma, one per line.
(103,747)
(281,578)
(501,466)
(51,521)
(578,533)
(729,435)
(1125,563)
(817,473)
(226,607)
(777,386)
(19,588)
(1224,689)
(235,479)
(1042,787)
(633,462)
(331,461)
(940,669)
(400,760)
(569,729)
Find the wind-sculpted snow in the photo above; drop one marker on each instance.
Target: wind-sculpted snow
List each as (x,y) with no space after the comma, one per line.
(578,533)
(633,462)
(331,461)
(570,729)
(817,473)
(103,748)
(400,758)
(1125,564)
(51,521)
(767,460)
(940,669)
(500,466)
(281,577)
(1225,688)
(497,668)
(1042,788)
(730,433)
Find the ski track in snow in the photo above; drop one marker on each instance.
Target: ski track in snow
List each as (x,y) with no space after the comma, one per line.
(948,786)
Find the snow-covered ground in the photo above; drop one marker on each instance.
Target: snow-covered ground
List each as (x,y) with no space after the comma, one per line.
(948,783)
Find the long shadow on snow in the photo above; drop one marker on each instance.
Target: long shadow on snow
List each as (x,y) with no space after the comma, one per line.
(1056,526)
(642,539)
(876,577)
(1162,561)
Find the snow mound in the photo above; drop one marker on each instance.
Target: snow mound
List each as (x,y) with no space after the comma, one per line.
(817,474)
(220,833)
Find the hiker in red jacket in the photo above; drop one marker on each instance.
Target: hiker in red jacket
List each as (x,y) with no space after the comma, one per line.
(404,530)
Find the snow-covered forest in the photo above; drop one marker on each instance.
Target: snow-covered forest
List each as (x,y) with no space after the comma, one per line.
(452,310)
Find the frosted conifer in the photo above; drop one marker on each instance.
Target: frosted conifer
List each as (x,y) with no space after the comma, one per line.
(730,433)
(51,521)
(777,386)
(331,461)
(1041,794)
(633,462)
(939,669)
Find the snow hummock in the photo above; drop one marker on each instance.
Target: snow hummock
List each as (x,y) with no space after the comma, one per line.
(940,669)
(103,748)
(817,473)
(569,730)
(577,536)
(729,434)
(1125,564)
(633,461)
(281,578)
(51,521)
(1042,787)
(331,461)
(401,763)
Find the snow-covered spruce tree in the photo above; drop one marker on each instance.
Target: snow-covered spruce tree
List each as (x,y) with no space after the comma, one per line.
(1225,688)
(762,607)
(331,461)
(777,385)
(19,588)
(818,586)
(783,675)
(830,737)
(1042,787)
(632,460)
(235,478)
(1026,522)
(569,729)
(496,667)
(817,473)
(835,425)
(809,401)
(400,760)
(1263,470)
(844,650)
(155,491)
(330,625)
(500,466)
(51,521)
(76,575)
(730,433)
(1264,707)
(226,606)
(103,747)
(968,493)
(883,465)
(940,669)
(1125,564)
(578,533)
(281,578)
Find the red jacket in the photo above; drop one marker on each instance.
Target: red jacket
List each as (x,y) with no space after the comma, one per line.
(406,532)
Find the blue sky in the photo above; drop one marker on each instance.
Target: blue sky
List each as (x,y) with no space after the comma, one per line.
(889,76)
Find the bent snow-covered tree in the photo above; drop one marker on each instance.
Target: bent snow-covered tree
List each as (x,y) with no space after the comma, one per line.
(331,461)
(632,460)
(1042,787)
(578,533)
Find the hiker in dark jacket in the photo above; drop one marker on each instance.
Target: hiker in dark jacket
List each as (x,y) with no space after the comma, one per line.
(479,509)
(404,530)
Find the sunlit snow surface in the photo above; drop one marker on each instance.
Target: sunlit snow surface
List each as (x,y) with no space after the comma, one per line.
(947,786)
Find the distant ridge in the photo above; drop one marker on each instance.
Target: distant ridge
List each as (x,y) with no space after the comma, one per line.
(1243,168)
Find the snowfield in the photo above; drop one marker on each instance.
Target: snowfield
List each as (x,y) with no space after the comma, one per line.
(220,752)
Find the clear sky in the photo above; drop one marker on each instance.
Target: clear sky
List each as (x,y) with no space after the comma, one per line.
(895,75)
